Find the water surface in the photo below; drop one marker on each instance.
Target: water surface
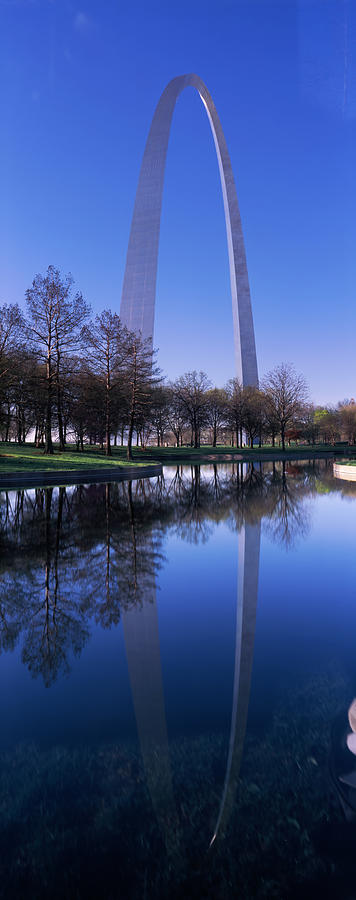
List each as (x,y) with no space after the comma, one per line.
(177,661)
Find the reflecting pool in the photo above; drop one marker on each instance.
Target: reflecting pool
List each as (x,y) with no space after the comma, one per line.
(177,662)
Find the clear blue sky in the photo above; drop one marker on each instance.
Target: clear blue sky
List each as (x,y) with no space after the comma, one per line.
(79,84)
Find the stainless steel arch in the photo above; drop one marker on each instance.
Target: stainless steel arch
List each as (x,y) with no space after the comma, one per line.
(139,287)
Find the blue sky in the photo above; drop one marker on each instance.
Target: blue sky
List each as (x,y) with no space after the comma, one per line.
(79,84)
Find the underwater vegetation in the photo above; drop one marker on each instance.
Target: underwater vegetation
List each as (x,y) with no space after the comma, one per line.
(81,822)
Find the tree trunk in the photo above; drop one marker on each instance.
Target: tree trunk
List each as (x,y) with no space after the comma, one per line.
(132,420)
(129,438)
(61,434)
(48,423)
(8,421)
(107,423)
(60,417)
(283,438)
(19,427)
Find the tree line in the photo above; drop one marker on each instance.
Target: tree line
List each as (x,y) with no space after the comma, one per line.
(69,377)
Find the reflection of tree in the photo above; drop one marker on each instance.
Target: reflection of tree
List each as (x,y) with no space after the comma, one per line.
(193,521)
(10,615)
(289,517)
(54,622)
(125,555)
(47,611)
(140,555)
(69,554)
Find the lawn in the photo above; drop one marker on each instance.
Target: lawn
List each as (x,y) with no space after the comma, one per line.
(30,459)
(164,454)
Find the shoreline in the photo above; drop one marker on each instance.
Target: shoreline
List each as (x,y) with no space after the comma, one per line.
(17,480)
(249,456)
(156,460)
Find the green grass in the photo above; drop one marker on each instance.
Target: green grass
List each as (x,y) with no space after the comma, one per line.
(29,459)
(189,453)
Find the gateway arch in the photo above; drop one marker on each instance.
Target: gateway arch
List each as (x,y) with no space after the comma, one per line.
(139,286)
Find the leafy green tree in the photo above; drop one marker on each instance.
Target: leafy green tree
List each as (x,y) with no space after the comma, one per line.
(327,423)
(347,418)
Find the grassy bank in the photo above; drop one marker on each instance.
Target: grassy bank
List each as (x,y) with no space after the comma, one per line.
(221,453)
(29,459)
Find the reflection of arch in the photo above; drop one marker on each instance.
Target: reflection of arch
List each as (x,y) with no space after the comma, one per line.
(140,625)
(139,287)
(143,656)
(247,591)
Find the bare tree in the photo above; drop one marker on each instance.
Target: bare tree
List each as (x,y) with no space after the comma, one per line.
(308,428)
(160,409)
(11,338)
(23,394)
(107,352)
(191,389)
(235,408)
(216,408)
(271,423)
(285,392)
(178,419)
(141,377)
(252,414)
(55,330)
(11,332)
